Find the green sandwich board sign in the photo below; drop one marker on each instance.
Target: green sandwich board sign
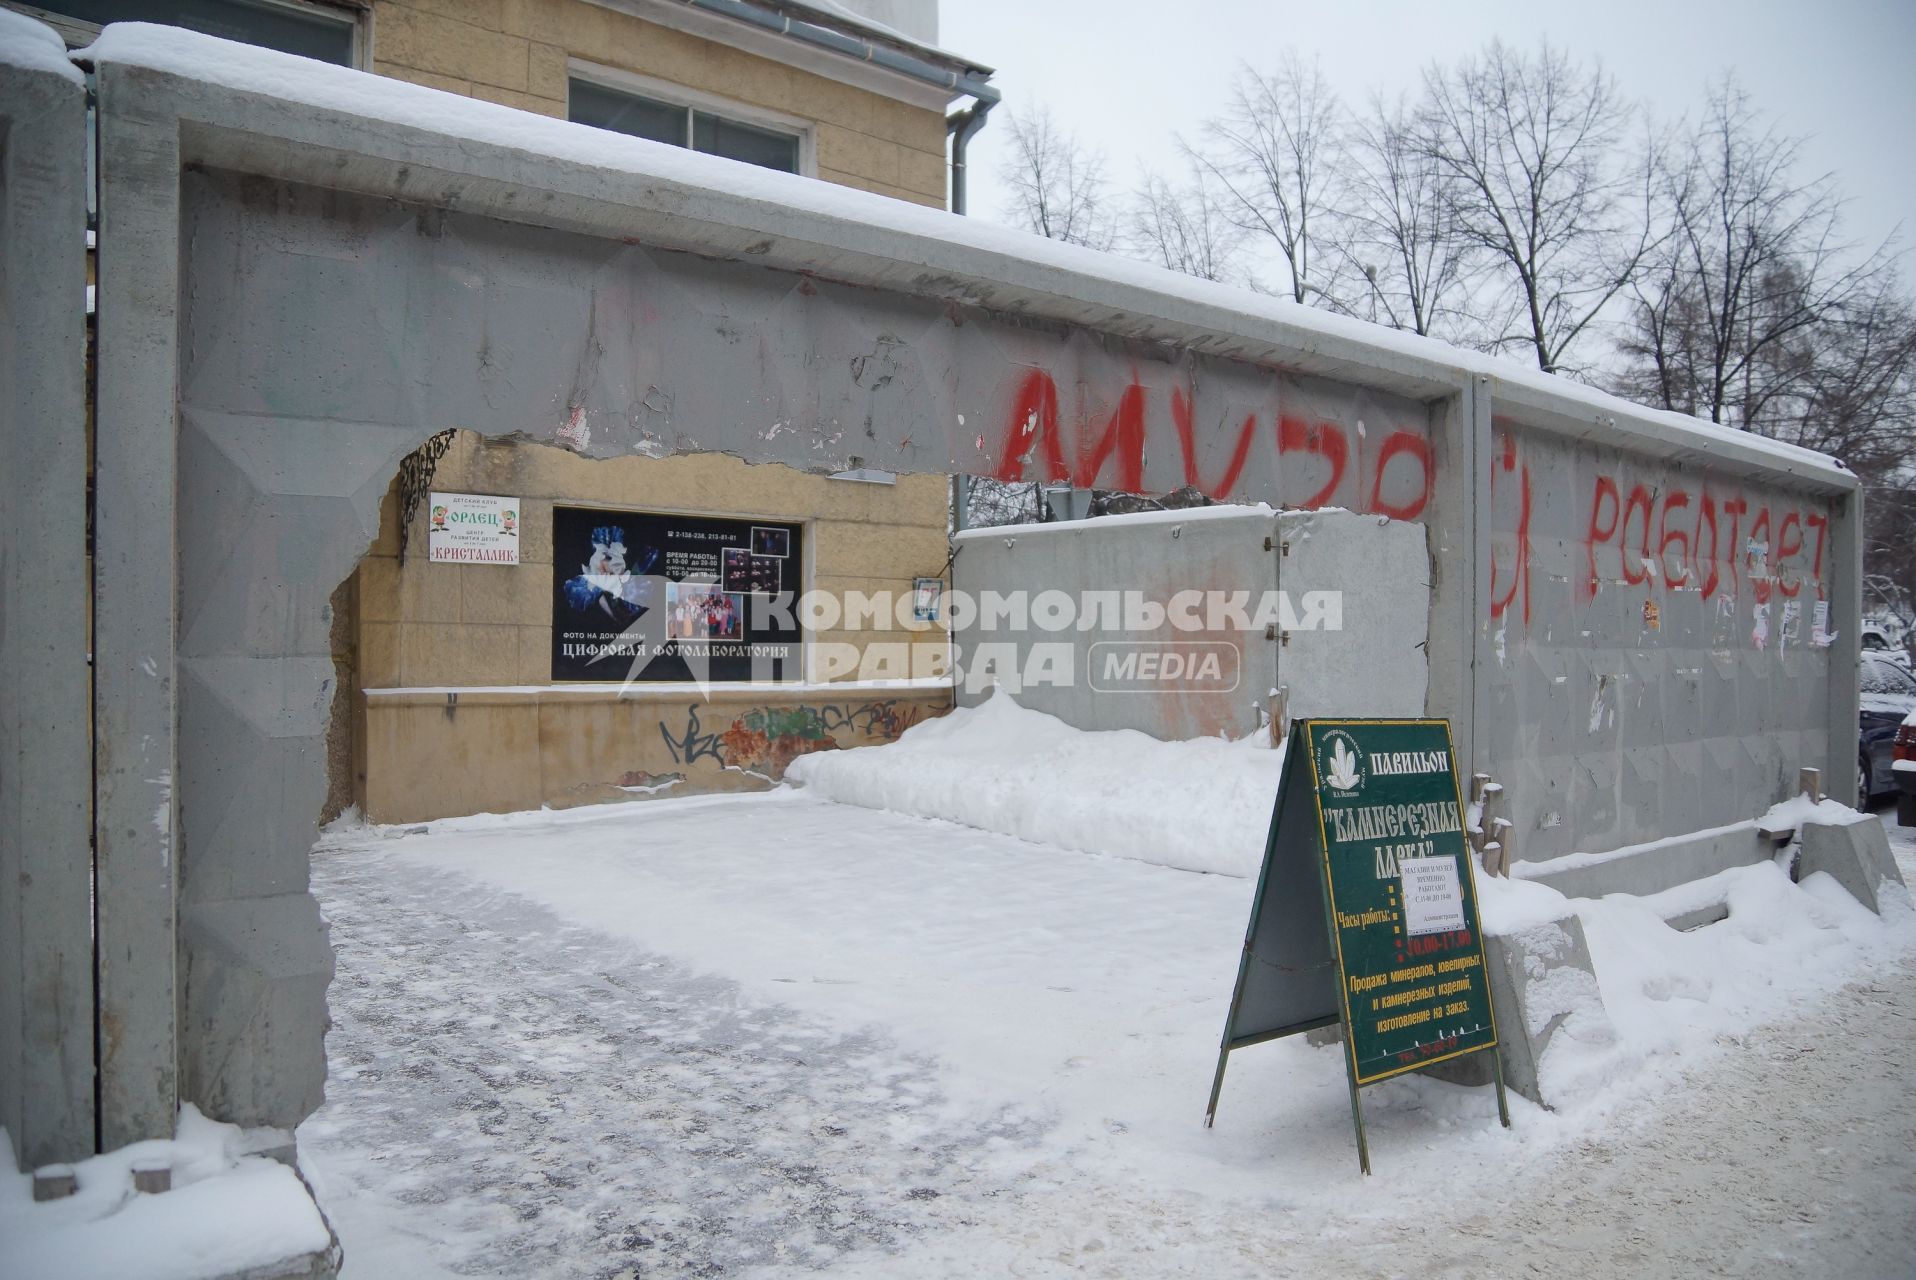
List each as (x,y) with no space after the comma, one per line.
(1366,912)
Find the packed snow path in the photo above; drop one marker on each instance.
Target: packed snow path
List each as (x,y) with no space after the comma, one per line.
(522,1097)
(759,1036)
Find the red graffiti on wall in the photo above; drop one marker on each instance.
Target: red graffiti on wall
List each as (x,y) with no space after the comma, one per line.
(1659,541)
(1034,421)
(1404,465)
(1505,466)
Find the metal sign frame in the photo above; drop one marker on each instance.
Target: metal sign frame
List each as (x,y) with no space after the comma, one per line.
(1301,959)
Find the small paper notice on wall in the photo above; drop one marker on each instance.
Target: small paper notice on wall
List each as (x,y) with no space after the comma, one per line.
(1760,633)
(1820,634)
(1433,899)
(1786,628)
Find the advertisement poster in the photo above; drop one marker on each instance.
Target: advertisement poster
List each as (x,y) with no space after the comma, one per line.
(472,528)
(639,595)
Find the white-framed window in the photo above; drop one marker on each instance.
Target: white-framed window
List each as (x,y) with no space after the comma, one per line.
(607,98)
(311,30)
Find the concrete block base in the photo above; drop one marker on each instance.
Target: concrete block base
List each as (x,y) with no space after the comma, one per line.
(1856,853)
(1652,868)
(1543,985)
(323,1265)
(255,972)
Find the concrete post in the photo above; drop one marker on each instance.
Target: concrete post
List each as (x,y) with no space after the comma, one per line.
(46,968)
(134,609)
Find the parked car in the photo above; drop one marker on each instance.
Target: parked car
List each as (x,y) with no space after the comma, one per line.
(1904,766)
(1888,697)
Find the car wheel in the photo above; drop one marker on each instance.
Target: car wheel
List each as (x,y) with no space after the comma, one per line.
(1863,792)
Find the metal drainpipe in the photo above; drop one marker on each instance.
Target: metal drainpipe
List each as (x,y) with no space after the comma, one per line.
(961,126)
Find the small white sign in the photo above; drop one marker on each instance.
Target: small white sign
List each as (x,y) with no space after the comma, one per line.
(472,528)
(1433,901)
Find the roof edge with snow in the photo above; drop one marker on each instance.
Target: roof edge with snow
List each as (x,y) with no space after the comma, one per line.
(357,131)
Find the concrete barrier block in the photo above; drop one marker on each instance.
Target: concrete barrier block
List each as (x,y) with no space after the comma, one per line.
(1543,987)
(1856,853)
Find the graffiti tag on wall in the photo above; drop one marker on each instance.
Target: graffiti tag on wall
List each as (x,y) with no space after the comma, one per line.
(1325,462)
(767,739)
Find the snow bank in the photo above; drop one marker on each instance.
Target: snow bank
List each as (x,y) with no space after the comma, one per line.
(227,1213)
(1205,806)
(1800,810)
(1202,805)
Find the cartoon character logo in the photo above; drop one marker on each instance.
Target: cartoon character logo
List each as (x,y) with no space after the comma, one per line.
(509,522)
(439,518)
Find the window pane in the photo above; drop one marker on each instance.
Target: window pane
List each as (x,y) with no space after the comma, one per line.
(605,108)
(269,26)
(720,137)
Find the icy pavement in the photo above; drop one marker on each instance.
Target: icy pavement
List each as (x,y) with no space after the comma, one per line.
(512,1095)
(772,1035)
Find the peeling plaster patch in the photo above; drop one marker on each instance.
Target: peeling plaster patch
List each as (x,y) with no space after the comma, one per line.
(576,434)
(163,814)
(1600,713)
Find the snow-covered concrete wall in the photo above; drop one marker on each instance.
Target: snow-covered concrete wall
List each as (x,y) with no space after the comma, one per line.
(306,271)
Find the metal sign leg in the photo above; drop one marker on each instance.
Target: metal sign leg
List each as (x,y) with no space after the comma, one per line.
(1357,1118)
(1503,1105)
(1217,1085)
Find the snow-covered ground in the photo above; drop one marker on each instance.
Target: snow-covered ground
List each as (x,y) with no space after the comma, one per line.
(229,1211)
(774,1034)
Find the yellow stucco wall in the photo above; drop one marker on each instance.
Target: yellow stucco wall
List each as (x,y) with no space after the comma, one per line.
(517,52)
(506,738)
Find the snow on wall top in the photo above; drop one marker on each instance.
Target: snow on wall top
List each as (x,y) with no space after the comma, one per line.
(245,68)
(34,46)
(1169,515)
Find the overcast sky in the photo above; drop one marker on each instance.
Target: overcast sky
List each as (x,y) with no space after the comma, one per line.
(1126,75)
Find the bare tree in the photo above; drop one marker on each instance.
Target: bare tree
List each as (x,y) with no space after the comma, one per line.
(1851,384)
(1754,260)
(1275,152)
(1058,185)
(1186,228)
(1532,150)
(1410,264)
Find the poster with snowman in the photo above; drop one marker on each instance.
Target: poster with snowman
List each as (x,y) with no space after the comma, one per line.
(655,597)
